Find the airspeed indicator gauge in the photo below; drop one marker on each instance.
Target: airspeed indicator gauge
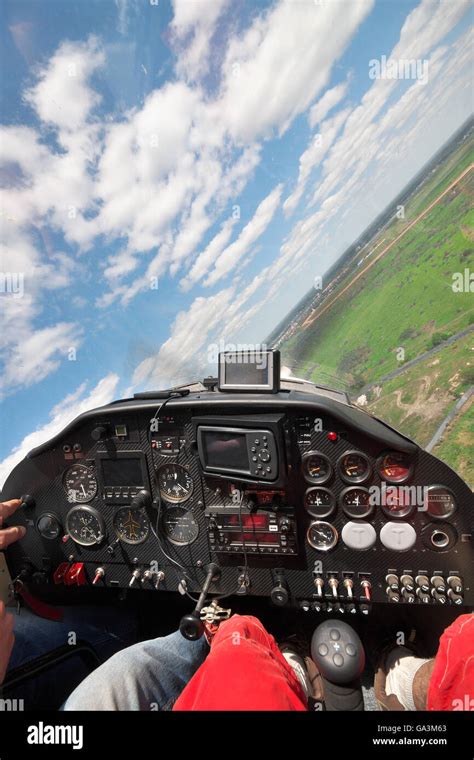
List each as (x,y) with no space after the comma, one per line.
(79,483)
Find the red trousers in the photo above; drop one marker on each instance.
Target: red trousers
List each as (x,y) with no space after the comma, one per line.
(244,670)
(452,680)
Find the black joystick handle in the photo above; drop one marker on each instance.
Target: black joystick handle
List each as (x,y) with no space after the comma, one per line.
(191,625)
(339,654)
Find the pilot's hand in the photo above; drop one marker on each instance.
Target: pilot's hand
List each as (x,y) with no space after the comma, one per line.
(7,639)
(9,535)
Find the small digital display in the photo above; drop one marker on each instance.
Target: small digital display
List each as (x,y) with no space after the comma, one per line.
(225,450)
(249,522)
(245,374)
(122,472)
(249,371)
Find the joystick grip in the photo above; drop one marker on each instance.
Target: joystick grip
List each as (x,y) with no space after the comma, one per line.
(191,626)
(338,652)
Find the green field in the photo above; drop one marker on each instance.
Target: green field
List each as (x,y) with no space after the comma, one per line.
(402,307)
(457,442)
(416,401)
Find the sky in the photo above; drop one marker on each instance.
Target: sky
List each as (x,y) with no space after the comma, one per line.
(175,175)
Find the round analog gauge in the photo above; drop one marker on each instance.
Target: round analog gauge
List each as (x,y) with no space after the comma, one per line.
(395,467)
(316,467)
(131,525)
(354,467)
(175,483)
(356,503)
(85,525)
(439,502)
(319,502)
(180,526)
(48,526)
(397,502)
(79,483)
(322,536)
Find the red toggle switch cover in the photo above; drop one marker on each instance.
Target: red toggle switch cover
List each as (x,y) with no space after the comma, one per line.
(76,575)
(59,573)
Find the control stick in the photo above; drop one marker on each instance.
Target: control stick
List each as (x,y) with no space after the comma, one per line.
(191,625)
(339,654)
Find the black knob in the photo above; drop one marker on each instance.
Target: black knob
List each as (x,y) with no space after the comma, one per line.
(285,525)
(393,596)
(279,595)
(191,626)
(27,501)
(408,595)
(40,578)
(100,432)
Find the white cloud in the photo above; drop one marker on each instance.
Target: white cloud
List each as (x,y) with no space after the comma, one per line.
(314,154)
(32,359)
(62,97)
(326,103)
(230,257)
(193,26)
(70,407)
(183,352)
(275,69)
(210,254)
(123,9)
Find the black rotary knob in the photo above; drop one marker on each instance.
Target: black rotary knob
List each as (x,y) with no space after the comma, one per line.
(100,432)
(27,501)
(280,595)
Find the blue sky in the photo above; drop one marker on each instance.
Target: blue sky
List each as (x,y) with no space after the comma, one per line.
(176,174)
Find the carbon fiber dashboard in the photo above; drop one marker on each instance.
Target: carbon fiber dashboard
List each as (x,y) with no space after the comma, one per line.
(335,555)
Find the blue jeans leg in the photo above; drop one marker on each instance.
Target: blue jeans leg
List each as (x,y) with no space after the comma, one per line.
(106,629)
(149,675)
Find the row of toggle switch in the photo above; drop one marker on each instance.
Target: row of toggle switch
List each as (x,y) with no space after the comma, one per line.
(346,590)
(421,588)
(74,574)
(341,608)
